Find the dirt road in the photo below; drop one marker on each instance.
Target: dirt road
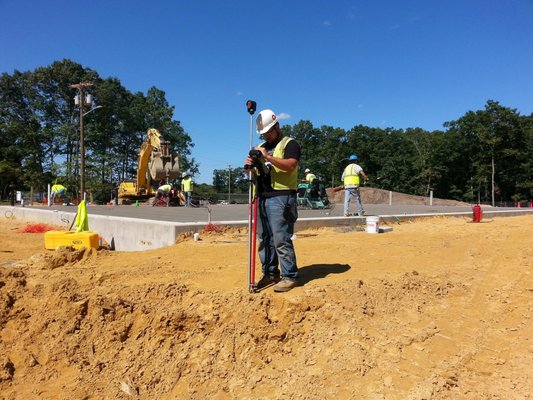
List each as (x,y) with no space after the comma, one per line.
(436,309)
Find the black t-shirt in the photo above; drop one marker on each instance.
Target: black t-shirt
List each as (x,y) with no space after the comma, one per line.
(292,150)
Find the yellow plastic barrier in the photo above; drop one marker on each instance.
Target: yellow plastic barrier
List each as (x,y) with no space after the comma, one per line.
(54,239)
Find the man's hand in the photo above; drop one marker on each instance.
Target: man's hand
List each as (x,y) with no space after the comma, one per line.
(248,163)
(263,151)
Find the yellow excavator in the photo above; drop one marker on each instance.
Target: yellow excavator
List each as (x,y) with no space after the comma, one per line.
(155,157)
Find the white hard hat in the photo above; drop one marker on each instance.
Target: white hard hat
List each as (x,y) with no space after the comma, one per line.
(307,170)
(265,120)
(183,175)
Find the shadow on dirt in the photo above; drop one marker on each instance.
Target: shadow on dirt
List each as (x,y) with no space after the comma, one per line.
(319,271)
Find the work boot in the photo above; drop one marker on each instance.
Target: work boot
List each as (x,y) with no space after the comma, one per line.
(267,280)
(285,285)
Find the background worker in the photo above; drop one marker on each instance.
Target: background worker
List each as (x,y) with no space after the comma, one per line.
(162,191)
(11,193)
(351,180)
(276,186)
(58,191)
(187,187)
(309,177)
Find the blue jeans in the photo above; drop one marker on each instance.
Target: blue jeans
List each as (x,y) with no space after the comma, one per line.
(274,234)
(348,194)
(188,199)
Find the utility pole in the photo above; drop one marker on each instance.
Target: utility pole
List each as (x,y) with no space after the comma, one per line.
(229,184)
(81,99)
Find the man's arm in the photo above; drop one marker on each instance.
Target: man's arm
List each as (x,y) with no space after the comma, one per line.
(285,164)
(288,164)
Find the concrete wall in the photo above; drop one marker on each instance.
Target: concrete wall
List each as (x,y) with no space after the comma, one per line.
(125,234)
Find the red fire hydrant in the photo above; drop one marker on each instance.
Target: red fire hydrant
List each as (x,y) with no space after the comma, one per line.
(478,214)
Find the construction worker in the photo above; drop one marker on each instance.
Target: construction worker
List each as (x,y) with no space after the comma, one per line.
(162,191)
(276,161)
(309,177)
(57,191)
(187,187)
(11,193)
(350,178)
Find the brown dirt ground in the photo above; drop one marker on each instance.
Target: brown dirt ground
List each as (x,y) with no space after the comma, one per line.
(437,309)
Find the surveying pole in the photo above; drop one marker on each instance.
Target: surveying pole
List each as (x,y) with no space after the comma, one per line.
(252,208)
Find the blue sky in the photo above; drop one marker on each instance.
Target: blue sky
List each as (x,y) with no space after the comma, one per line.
(341,63)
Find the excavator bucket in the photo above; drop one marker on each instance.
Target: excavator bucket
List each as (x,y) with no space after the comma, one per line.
(164,167)
(174,170)
(157,171)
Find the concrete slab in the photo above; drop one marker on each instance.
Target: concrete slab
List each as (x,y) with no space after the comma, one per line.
(131,228)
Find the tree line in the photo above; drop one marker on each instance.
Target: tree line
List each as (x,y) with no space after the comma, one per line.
(39,129)
(484,155)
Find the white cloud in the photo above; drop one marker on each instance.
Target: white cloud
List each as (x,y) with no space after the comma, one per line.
(352,13)
(284,116)
(326,23)
(239,93)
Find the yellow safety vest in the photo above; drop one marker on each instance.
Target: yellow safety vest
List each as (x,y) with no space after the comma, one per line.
(351,176)
(280,179)
(58,188)
(186,185)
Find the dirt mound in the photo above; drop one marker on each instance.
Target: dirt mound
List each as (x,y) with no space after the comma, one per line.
(64,255)
(379,196)
(438,309)
(147,338)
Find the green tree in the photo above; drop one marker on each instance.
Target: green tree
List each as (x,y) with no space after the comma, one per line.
(39,123)
(493,140)
(236,176)
(20,151)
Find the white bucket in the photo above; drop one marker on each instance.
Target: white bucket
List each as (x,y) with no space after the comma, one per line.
(372,224)
(196,237)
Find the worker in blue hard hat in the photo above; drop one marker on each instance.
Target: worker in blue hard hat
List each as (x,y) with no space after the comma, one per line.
(351,180)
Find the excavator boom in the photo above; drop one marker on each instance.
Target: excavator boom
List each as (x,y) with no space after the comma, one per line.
(155,157)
